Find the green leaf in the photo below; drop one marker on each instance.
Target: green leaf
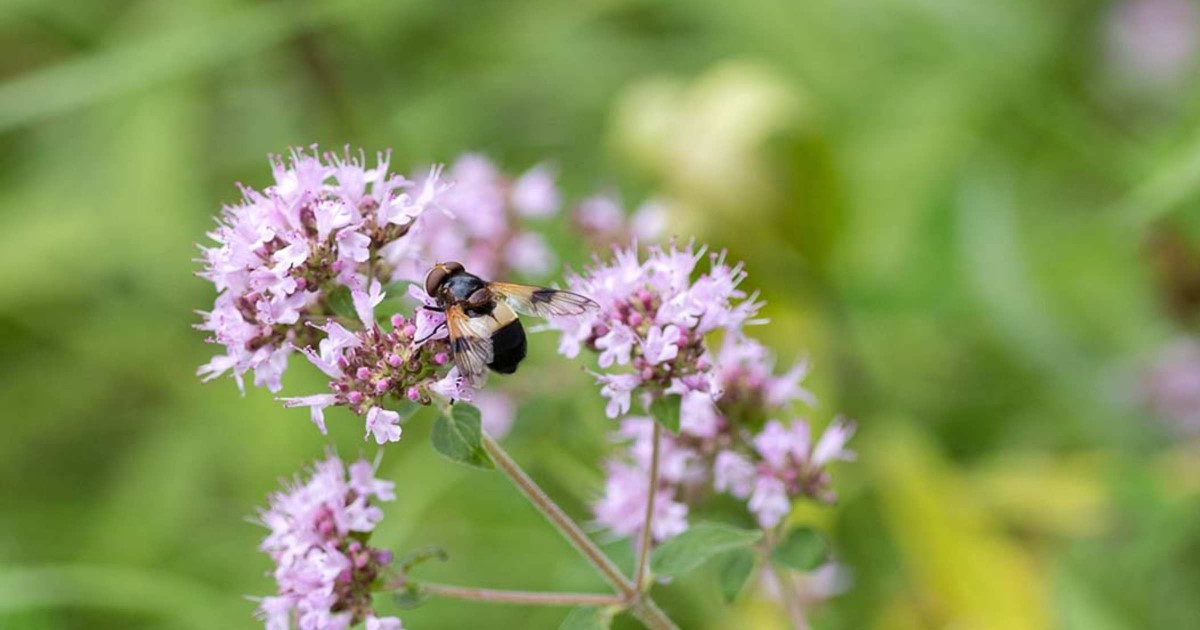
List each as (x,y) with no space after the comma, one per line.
(420,556)
(458,436)
(666,411)
(406,408)
(699,543)
(804,549)
(735,569)
(341,303)
(587,618)
(410,596)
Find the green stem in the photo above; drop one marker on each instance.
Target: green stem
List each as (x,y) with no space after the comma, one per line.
(646,540)
(791,600)
(639,604)
(531,598)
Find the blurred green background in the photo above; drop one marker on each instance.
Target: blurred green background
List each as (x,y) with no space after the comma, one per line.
(954,207)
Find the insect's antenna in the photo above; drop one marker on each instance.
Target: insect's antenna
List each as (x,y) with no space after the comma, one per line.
(431,334)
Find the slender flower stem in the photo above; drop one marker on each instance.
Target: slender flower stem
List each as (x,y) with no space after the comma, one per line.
(576,536)
(643,555)
(519,597)
(791,600)
(641,606)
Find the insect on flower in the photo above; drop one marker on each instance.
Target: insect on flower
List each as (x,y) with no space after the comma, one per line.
(481,316)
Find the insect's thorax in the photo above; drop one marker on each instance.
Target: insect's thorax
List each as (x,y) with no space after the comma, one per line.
(466,290)
(460,286)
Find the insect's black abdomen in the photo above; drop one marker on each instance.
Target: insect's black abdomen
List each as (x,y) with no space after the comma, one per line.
(508,347)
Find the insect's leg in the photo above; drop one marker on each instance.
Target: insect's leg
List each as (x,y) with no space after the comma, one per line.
(431,334)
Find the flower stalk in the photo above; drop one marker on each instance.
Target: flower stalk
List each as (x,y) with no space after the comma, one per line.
(529,598)
(638,604)
(791,601)
(643,556)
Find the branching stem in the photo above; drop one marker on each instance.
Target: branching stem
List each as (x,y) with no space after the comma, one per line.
(640,605)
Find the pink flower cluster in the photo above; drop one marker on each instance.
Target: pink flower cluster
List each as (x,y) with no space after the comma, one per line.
(483,226)
(651,331)
(283,251)
(324,569)
(652,321)
(328,225)
(411,362)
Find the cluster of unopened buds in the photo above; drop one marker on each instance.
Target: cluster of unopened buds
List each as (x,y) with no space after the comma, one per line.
(371,366)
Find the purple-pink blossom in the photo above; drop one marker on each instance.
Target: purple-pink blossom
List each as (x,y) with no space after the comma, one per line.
(282,252)
(1171,386)
(325,570)
(372,370)
(727,442)
(484,224)
(601,220)
(654,314)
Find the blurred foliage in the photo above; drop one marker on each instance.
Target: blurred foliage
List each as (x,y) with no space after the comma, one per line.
(950,205)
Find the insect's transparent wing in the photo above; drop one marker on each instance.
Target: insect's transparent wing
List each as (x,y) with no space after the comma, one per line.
(471,343)
(542,302)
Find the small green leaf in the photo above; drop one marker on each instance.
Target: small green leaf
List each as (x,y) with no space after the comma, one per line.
(804,549)
(410,560)
(406,408)
(735,569)
(666,411)
(409,597)
(587,618)
(341,303)
(458,436)
(699,543)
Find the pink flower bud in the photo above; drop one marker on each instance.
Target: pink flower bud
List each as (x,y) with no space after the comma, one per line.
(393,359)
(354,397)
(410,331)
(397,321)
(441,358)
(414,394)
(383,385)
(363,373)
(635,318)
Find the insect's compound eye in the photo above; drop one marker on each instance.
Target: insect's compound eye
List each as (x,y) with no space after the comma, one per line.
(435,278)
(453,267)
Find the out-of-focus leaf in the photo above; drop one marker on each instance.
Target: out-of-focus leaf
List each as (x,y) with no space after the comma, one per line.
(666,411)
(1057,495)
(695,546)
(342,303)
(804,549)
(956,552)
(459,437)
(735,569)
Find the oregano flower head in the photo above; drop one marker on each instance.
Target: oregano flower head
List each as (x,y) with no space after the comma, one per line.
(325,569)
(282,253)
(649,331)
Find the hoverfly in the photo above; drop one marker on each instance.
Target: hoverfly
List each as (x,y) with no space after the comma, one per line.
(481,316)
